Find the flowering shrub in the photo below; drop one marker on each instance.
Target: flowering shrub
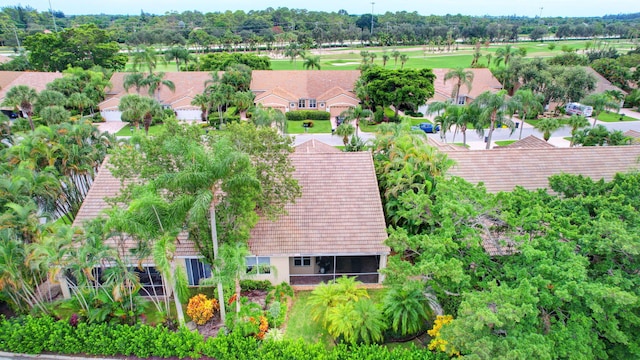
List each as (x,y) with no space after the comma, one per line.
(437,342)
(201,309)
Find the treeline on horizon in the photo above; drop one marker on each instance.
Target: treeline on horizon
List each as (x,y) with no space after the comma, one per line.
(312,28)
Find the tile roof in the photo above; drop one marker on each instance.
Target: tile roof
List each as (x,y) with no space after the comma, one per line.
(503,170)
(5,59)
(339,212)
(445,146)
(311,84)
(188,84)
(530,142)
(483,80)
(632,133)
(35,80)
(315,146)
(602,84)
(105,185)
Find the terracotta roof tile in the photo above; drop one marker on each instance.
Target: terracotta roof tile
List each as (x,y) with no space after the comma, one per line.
(483,80)
(530,142)
(340,211)
(530,168)
(35,80)
(310,84)
(315,146)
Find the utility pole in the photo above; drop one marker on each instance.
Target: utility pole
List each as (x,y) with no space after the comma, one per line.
(541,12)
(53,17)
(372,3)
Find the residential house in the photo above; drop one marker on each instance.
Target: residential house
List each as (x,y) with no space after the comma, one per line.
(326,90)
(483,80)
(503,169)
(335,228)
(188,84)
(35,80)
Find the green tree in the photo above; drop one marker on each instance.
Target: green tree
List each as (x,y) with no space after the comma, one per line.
(136,109)
(494,109)
(403,60)
(147,57)
(54,115)
(80,101)
(177,54)
(600,102)
(355,114)
(547,126)
(525,102)
(406,307)
(461,77)
(345,130)
(22,97)
(576,122)
(135,79)
(311,62)
(155,82)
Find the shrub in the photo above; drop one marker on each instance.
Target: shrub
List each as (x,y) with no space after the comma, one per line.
(201,309)
(248,285)
(298,115)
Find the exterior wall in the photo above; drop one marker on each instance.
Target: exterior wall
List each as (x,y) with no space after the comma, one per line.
(279,271)
(303,270)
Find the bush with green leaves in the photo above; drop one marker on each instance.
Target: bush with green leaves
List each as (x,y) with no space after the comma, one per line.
(298,115)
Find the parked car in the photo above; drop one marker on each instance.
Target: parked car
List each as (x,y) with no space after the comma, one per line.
(429,128)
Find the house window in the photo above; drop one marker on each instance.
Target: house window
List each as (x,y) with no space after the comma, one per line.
(150,280)
(258,265)
(302,103)
(461,100)
(312,103)
(321,104)
(197,270)
(302,261)
(292,105)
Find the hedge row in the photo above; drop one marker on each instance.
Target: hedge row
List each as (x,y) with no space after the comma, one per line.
(308,115)
(31,335)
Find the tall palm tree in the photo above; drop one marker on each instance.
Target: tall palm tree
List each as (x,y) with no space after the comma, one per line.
(177,53)
(22,97)
(311,62)
(293,51)
(243,100)
(80,101)
(270,117)
(525,102)
(203,101)
(600,102)
(548,126)
(385,59)
(156,81)
(355,114)
(461,77)
(505,54)
(493,110)
(576,122)
(138,109)
(345,130)
(135,79)
(395,54)
(148,57)
(403,60)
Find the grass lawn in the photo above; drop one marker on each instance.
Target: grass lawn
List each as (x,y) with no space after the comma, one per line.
(613,117)
(319,127)
(300,325)
(505,142)
(153,130)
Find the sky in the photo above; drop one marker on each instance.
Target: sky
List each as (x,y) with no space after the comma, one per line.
(531,8)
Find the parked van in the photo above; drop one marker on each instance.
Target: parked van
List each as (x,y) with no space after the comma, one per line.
(578,109)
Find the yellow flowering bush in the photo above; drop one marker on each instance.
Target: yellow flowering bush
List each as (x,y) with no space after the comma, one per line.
(201,309)
(437,342)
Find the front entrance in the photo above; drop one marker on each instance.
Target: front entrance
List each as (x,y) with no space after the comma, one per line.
(313,270)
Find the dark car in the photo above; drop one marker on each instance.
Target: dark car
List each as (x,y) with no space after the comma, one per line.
(427,127)
(10,114)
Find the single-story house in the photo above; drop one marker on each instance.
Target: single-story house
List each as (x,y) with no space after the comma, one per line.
(483,80)
(32,79)
(188,84)
(335,228)
(325,90)
(503,169)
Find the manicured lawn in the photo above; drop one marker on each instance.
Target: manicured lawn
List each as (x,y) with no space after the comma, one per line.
(319,127)
(505,142)
(300,325)
(153,130)
(613,117)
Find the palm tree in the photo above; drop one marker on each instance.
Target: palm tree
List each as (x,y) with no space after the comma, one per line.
(385,59)
(203,101)
(147,57)
(576,122)
(461,77)
(525,102)
(403,60)
(493,109)
(357,321)
(22,97)
(155,82)
(177,53)
(137,108)
(356,113)
(269,117)
(548,126)
(505,54)
(373,56)
(345,130)
(293,51)
(80,101)
(600,102)
(311,62)
(395,54)
(48,98)
(407,308)
(243,100)
(54,115)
